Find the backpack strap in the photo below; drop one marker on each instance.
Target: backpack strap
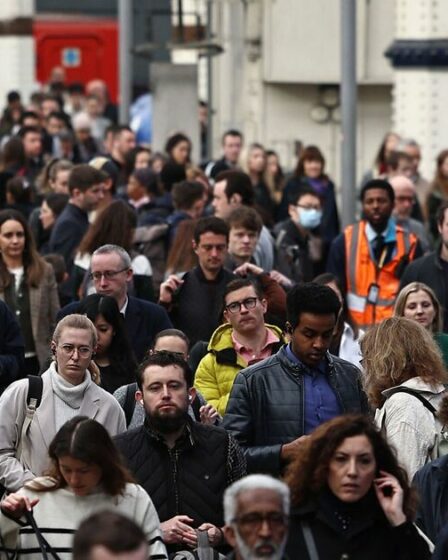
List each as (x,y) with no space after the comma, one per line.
(418,396)
(33,400)
(129,402)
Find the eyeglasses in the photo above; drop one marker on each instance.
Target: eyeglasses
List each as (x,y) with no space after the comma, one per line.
(235,306)
(108,274)
(254,521)
(69,350)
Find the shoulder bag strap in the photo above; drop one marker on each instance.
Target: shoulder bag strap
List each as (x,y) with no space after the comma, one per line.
(44,546)
(309,541)
(204,550)
(418,396)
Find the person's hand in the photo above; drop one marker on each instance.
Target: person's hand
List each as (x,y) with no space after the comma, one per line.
(390,496)
(167,288)
(15,505)
(289,450)
(208,414)
(178,530)
(215,535)
(281,278)
(248,268)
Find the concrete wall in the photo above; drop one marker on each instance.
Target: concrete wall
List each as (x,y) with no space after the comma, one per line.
(280,57)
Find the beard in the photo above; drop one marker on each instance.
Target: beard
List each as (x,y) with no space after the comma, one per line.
(252,553)
(167,423)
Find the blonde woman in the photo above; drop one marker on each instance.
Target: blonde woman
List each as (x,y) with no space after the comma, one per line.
(400,355)
(418,302)
(69,388)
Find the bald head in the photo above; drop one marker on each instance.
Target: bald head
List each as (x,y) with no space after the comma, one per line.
(404,190)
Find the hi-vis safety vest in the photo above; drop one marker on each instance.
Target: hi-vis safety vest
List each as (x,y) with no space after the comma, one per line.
(362,273)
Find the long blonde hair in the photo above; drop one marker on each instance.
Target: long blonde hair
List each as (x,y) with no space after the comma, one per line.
(396,350)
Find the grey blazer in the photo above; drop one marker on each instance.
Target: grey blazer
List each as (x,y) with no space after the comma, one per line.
(97,404)
(44,305)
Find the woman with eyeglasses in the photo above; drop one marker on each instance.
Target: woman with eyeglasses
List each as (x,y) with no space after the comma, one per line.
(114,355)
(28,287)
(350,498)
(86,475)
(69,388)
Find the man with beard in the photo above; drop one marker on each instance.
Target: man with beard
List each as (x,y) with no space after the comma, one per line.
(184,466)
(371,255)
(256,510)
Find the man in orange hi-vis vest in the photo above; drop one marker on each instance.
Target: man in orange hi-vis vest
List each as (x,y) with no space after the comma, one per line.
(370,256)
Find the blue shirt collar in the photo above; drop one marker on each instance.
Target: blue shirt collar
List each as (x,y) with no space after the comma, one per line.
(389,233)
(321,366)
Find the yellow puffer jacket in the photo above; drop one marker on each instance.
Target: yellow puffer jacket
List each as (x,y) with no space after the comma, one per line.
(218,368)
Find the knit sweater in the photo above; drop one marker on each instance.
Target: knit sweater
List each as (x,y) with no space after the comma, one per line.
(59,513)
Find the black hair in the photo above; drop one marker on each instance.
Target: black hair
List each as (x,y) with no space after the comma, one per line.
(312,298)
(378,184)
(231,132)
(28,130)
(56,202)
(238,182)
(303,189)
(212,224)
(186,193)
(175,139)
(120,354)
(172,332)
(13,96)
(172,173)
(115,532)
(147,179)
(165,359)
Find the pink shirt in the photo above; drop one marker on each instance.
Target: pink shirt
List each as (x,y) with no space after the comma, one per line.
(247,354)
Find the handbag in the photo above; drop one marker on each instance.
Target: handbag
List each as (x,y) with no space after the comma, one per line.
(204,550)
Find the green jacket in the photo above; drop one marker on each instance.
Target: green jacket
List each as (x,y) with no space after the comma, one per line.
(218,368)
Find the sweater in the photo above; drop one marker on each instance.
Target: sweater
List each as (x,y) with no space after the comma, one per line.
(59,513)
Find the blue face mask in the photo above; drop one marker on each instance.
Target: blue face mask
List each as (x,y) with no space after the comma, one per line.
(309,218)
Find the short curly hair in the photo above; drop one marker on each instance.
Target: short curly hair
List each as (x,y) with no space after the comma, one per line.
(313,298)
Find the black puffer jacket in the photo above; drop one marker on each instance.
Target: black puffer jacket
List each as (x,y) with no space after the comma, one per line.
(266,406)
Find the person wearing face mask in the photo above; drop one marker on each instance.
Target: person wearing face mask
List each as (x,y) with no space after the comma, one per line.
(298,239)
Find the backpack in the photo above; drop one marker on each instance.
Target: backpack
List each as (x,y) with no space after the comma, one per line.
(203,552)
(441,444)
(33,400)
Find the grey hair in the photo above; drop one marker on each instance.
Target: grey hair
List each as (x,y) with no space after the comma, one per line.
(110,248)
(253,482)
(405,142)
(76,321)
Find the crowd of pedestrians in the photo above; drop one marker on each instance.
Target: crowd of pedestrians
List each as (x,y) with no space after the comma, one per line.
(195,357)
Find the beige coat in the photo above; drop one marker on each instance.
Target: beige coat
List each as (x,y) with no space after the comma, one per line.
(97,404)
(410,427)
(44,305)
